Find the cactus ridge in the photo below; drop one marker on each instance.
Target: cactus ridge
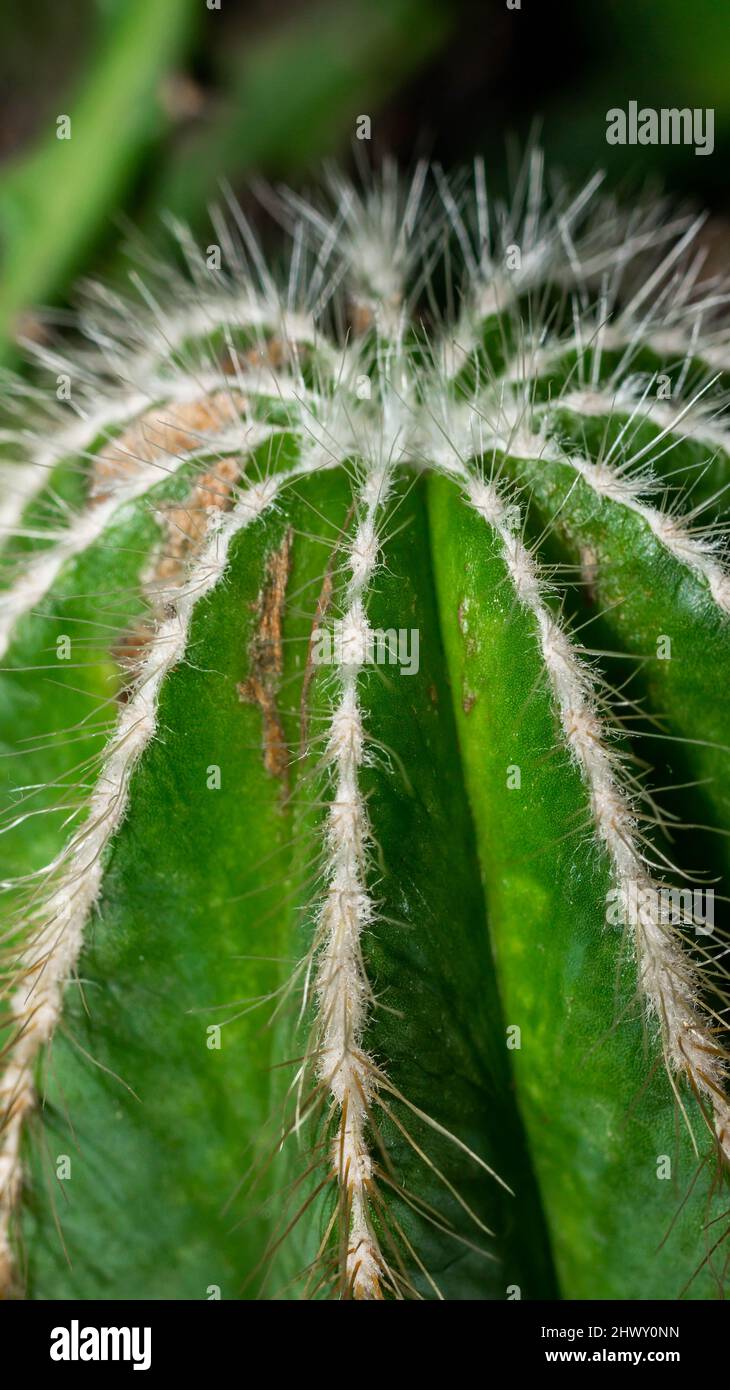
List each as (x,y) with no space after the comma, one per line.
(672,990)
(537,403)
(507,426)
(51,955)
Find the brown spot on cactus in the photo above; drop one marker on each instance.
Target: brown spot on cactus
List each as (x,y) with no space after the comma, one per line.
(266,661)
(174,428)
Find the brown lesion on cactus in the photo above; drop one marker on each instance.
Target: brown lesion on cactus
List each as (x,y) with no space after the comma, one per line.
(362,312)
(185,526)
(589,571)
(186,523)
(360,317)
(9,1288)
(174,428)
(274,352)
(266,657)
(129,651)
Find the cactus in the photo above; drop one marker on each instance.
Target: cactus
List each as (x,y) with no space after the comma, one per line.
(366,733)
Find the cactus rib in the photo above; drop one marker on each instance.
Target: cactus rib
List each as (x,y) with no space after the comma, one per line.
(50,957)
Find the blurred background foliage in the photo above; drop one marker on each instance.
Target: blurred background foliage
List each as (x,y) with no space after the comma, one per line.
(167,98)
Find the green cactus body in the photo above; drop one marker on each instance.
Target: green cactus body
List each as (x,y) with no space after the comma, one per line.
(364,702)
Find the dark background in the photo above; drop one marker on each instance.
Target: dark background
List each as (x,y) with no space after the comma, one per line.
(169,97)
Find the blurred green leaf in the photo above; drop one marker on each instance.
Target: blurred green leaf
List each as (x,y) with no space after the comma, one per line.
(53,202)
(297,92)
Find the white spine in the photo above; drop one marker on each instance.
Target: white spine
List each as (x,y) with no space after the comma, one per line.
(341,987)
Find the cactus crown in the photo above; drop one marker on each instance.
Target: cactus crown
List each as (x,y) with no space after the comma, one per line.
(349,609)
